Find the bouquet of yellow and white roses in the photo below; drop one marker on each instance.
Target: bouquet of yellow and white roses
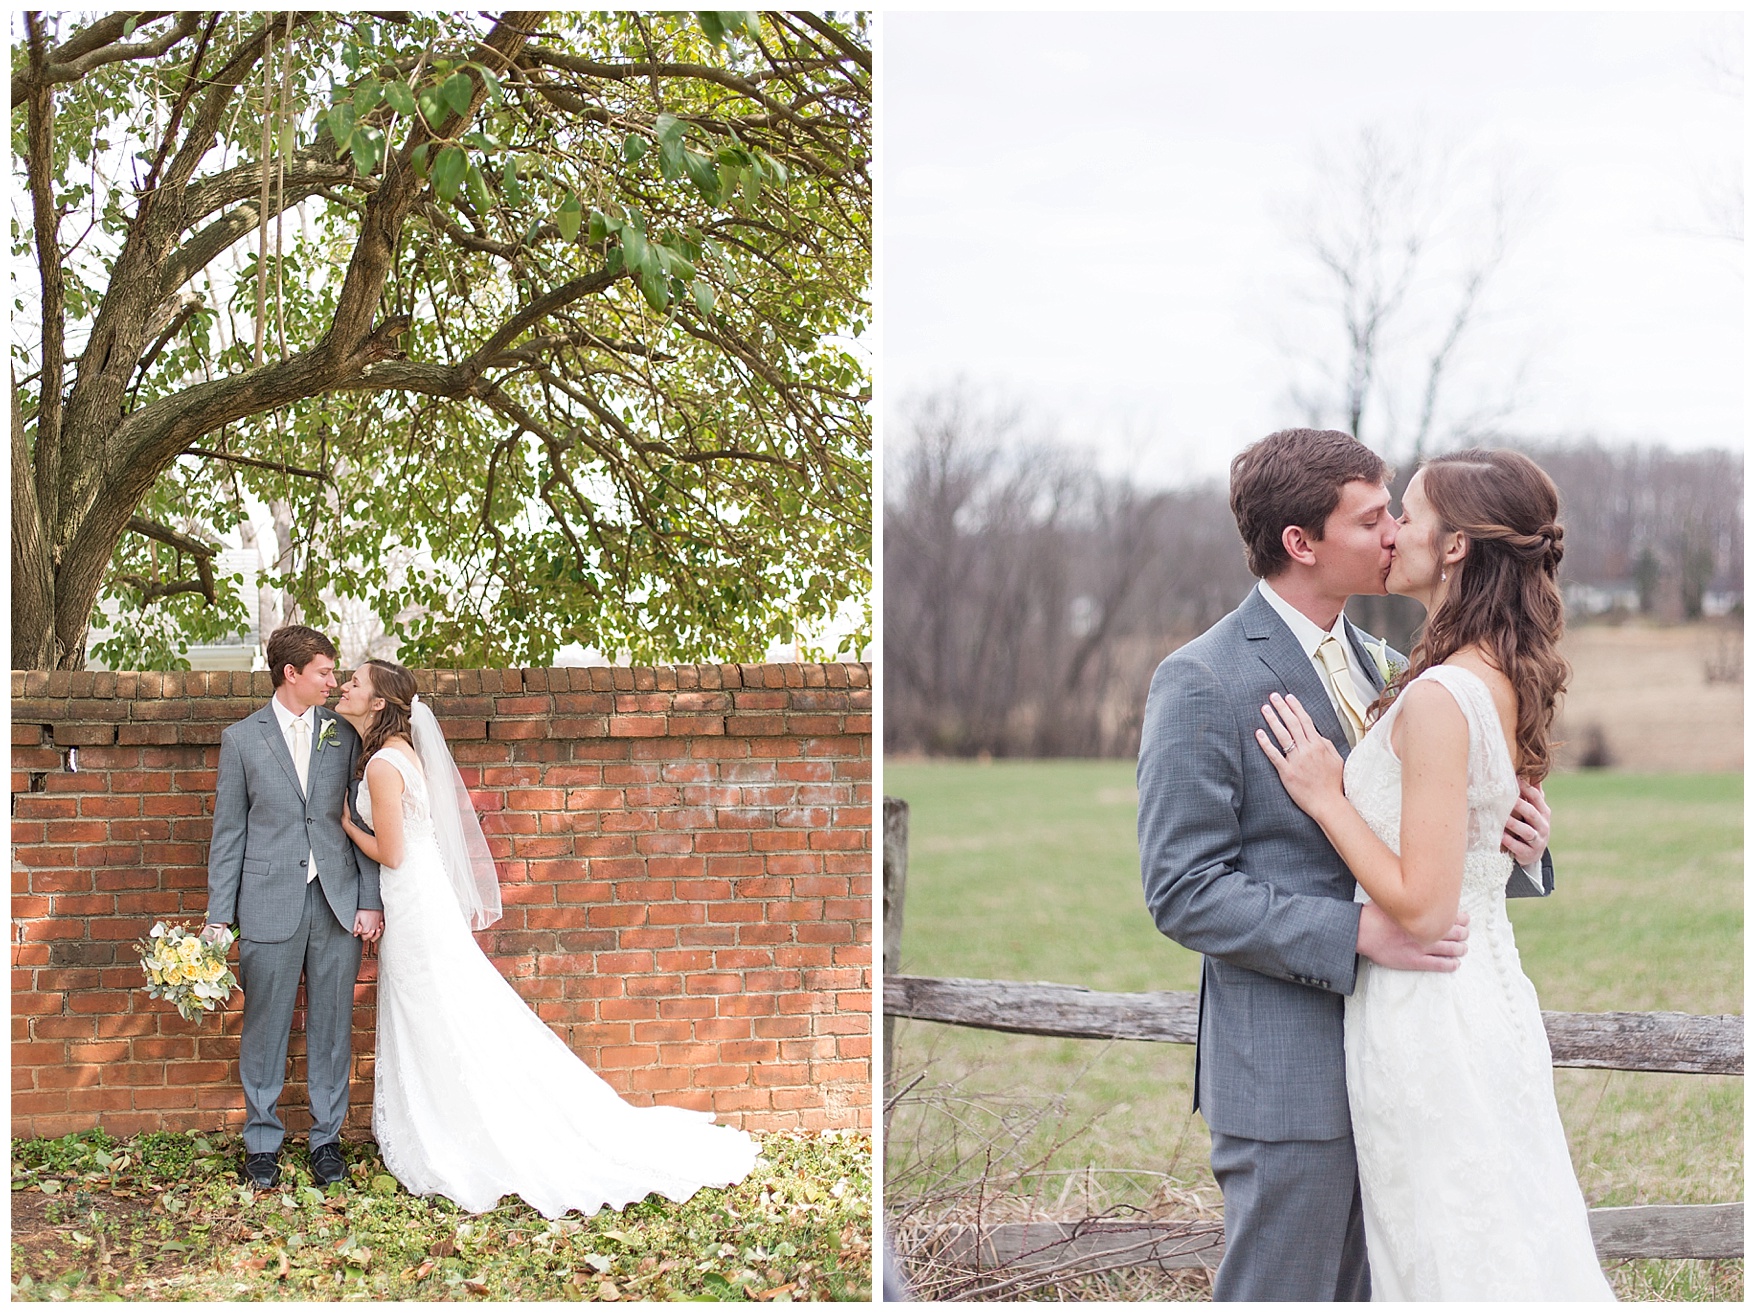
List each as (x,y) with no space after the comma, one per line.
(188,970)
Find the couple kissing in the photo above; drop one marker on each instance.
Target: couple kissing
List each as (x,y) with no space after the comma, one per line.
(1335,828)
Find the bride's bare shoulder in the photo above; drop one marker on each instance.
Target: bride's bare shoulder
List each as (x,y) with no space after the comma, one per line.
(1476,662)
(380,766)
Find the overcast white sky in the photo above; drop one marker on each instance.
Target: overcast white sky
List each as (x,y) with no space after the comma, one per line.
(1081,213)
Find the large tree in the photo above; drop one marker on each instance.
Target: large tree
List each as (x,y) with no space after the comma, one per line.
(531,329)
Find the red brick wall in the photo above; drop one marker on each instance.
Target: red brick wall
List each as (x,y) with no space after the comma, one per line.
(684,854)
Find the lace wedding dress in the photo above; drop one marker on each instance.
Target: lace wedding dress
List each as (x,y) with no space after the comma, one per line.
(475,1097)
(1468,1189)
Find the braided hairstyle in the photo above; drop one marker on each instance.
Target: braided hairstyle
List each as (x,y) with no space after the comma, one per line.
(396,686)
(1505,593)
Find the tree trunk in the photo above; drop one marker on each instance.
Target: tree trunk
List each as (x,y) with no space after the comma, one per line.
(101,457)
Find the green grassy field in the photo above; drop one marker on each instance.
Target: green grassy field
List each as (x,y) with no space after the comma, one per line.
(1029,871)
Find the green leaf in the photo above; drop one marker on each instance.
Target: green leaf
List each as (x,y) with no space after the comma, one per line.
(656,289)
(703,174)
(568,217)
(448,172)
(432,107)
(479,195)
(668,129)
(597,228)
(458,91)
(635,250)
(367,96)
(128,26)
(400,97)
(703,294)
(420,158)
(496,92)
(711,26)
(340,121)
(368,146)
(633,148)
(510,185)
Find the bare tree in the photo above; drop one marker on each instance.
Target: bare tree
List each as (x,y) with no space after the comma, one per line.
(1405,243)
(1027,599)
(1721,190)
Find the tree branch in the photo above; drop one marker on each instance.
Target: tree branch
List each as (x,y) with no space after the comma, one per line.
(838,39)
(151,592)
(703,72)
(46,222)
(540,308)
(170,537)
(243,219)
(96,46)
(278,466)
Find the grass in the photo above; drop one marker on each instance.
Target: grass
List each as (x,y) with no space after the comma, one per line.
(163,1216)
(1029,871)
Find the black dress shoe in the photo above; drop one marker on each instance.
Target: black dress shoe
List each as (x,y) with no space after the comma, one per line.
(261,1170)
(326,1163)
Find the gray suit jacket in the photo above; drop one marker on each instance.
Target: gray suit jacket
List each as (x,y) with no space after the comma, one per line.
(265,830)
(1234,870)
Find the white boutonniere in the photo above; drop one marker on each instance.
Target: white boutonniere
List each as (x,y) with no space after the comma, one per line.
(326,734)
(1389,668)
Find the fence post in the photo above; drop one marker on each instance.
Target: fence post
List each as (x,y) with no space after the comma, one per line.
(895,889)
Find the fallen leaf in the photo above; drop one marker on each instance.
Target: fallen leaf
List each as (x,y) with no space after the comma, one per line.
(777,1290)
(475,1287)
(285,1265)
(421,1272)
(443,1248)
(607,1290)
(254,1264)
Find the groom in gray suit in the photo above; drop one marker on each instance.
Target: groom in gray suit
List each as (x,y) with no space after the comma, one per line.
(302,895)
(1234,870)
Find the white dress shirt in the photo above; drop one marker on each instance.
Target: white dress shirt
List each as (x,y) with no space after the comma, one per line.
(287,719)
(1310,635)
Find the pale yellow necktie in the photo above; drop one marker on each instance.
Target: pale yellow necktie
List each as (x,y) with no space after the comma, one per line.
(1340,684)
(301,753)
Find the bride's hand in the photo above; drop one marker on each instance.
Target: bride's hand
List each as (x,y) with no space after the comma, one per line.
(1308,764)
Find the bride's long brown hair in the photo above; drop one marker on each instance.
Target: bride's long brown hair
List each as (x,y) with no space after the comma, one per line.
(1505,592)
(397,687)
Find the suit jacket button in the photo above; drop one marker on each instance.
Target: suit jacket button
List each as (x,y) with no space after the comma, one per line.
(304,861)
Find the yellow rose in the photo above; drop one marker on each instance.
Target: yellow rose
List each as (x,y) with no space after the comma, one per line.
(190,951)
(174,974)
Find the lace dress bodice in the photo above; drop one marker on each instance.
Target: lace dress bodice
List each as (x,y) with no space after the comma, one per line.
(1374,785)
(417,816)
(1467,1186)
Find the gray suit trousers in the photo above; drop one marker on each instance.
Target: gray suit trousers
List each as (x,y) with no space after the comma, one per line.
(1285,1239)
(269,976)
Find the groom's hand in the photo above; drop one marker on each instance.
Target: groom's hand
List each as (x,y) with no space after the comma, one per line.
(1388,945)
(368,925)
(1527,828)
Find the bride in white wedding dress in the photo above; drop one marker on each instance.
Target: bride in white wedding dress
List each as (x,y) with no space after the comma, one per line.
(474,1096)
(1467,1186)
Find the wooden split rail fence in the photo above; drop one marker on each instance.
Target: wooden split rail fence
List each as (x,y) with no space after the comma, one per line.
(1011,1256)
